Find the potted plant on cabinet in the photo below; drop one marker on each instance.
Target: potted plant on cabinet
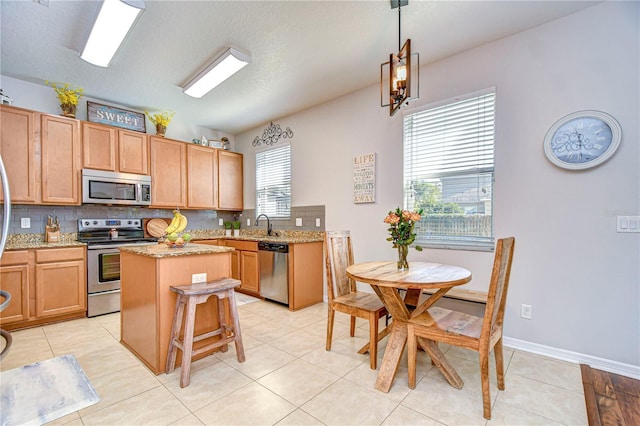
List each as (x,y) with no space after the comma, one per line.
(236,228)
(68,98)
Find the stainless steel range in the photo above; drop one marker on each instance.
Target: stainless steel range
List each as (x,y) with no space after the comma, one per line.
(104,237)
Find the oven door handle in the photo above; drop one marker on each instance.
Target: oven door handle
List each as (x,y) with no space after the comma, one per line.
(116,246)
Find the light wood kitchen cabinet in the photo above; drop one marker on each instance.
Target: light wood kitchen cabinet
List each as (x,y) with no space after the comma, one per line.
(18,150)
(46,285)
(60,148)
(14,278)
(305,274)
(112,149)
(168,173)
(61,286)
(230,181)
(245,266)
(202,178)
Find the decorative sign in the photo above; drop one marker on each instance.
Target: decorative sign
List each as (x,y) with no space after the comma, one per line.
(272,134)
(364,179)
(118,117)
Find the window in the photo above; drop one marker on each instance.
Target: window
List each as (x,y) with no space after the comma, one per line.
(448,171)
(273,182)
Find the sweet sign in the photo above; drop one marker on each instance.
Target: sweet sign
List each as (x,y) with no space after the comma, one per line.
(364,179)
(118,117)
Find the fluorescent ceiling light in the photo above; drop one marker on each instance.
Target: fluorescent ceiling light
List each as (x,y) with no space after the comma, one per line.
(225,65)
(114,21)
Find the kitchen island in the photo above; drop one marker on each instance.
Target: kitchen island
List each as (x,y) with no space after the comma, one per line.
(148,304)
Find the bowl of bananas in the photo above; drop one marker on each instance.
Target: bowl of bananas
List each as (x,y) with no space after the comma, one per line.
(175,237)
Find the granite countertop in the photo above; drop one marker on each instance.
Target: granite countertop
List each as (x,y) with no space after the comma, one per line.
(69,239)
(36,241)
(162,250)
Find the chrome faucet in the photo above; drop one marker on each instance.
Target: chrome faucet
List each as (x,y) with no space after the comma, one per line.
(268,223)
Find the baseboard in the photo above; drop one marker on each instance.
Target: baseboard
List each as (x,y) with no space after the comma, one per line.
(615,367)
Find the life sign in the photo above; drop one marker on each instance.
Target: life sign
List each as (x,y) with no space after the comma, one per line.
(364,179)
(118,117)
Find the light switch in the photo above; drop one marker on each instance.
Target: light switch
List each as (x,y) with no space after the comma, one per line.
(25,222)
(317,222)
(221,221)
(628,224)
(298,221)
(248,221)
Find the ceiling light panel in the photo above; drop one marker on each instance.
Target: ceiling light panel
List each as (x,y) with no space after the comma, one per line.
(114,22)
(223,67)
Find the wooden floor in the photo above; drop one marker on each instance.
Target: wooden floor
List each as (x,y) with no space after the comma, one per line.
(611,399)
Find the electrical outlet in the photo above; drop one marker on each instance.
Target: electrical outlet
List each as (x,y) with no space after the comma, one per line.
(525,311)
(25,222)
(199,278)
(248,221)
(221,221)
(298,221)
(317,222)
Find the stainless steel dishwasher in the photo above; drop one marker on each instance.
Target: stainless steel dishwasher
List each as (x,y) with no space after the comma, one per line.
(274,265)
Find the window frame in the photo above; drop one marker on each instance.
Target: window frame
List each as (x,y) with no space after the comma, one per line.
(270,213)
(477,243)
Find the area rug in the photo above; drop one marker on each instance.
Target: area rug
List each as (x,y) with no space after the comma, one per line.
(44,391)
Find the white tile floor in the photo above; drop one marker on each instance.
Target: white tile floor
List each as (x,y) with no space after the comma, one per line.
(289,379)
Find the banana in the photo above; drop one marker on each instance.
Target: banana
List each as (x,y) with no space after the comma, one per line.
(182,224)
(175,222)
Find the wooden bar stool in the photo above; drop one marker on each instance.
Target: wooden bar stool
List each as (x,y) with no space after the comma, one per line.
(229,331)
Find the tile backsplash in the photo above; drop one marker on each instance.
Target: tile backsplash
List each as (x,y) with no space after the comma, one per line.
(198,219)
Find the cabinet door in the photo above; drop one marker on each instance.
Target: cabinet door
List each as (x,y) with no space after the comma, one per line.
(202,165)
(235,265)
(168,173)
(15,280)
(60,160)
(230,181)
(132,152)
(17,147)
(60,288)
(99,146)
(249,271)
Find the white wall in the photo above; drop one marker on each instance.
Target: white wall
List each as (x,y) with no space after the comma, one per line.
(581,277)
(42,98)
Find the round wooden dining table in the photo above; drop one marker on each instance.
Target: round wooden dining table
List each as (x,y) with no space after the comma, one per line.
(387,280)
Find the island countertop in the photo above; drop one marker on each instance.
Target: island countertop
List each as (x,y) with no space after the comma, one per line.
(162,250)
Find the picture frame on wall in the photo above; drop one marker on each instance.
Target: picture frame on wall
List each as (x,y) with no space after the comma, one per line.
(118,117)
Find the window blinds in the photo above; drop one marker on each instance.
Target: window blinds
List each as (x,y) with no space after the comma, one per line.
(448,171)
(273,182)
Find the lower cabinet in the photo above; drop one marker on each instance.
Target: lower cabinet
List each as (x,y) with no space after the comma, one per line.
(46,285)
(245,266)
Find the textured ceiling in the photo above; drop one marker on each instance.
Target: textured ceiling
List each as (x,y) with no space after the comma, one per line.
(303,52)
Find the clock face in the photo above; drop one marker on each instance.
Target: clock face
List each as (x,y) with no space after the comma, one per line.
(582,139)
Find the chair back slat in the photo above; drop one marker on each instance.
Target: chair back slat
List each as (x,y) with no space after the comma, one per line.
(338,255)
(498,287)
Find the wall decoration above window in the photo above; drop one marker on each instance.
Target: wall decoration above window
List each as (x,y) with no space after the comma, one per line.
(272,134)
(364,179)
(582,140)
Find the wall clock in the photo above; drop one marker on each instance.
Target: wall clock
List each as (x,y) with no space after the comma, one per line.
(582,140)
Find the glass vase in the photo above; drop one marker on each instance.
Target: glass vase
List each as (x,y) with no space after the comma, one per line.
(403,250)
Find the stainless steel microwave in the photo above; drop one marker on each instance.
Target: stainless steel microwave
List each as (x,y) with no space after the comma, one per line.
(101,187)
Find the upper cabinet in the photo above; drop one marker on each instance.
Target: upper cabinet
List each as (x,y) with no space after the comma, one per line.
(60,139)
(168,161)
(230,181)
(18,150)
(112,149)
(202,177)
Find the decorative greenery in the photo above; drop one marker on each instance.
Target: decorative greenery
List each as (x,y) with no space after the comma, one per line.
(66,94)
(227,224)
(163,118)
(401,227)
(236,224)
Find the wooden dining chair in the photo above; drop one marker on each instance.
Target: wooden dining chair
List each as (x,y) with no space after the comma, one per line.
(481,334)
(344,297)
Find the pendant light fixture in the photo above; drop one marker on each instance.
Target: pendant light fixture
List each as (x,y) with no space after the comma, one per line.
(402,71)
